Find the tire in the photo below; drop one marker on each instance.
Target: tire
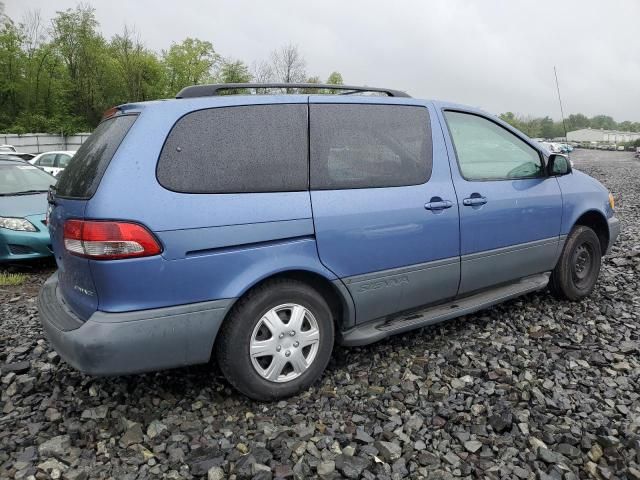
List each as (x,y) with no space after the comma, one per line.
(252,327)
(576,273)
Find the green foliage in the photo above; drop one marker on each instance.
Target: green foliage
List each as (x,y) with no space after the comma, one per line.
(335,79)
(63,77)
(11,66)
(11,279)
(188,63)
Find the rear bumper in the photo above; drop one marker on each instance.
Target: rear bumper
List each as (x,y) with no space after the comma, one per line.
(614,231)
(130,342)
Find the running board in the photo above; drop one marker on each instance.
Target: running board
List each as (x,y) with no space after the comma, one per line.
(378,329)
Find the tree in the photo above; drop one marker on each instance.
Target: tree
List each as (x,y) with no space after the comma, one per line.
(84,54)
(11,66)
(547,128)
(139,71)
(188,63)
(577,121)
(288,64)
(603,121)
(261,72)
(626,126)
(335,79)
(234,71)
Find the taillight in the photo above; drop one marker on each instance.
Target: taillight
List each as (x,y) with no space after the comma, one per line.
(106,240)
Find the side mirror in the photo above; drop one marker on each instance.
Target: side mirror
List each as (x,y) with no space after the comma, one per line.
(558,165)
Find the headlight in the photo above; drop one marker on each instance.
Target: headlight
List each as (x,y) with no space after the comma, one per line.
(19,224)
(612,202)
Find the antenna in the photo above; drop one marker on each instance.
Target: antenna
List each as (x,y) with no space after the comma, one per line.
(564,125)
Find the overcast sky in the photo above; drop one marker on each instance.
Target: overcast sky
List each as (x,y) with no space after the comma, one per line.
(498,55)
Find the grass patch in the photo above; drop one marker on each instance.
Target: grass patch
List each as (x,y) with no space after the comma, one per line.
(11,279)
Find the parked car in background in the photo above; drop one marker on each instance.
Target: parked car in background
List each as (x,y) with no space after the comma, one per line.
(23,205)
(10,149)
(552,147)
(53,162)
(265,229)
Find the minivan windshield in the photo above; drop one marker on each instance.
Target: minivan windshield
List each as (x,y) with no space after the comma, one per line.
(23,179)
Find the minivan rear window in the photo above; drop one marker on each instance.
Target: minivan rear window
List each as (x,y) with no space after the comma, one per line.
(369,146)
(81,177)
(241,149)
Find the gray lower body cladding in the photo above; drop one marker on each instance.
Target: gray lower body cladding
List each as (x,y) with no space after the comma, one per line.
(130,342)
(376,330)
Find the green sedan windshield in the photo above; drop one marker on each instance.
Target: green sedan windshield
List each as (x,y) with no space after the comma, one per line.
(20,179)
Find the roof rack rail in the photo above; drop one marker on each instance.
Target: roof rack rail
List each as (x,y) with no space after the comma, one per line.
(215,89)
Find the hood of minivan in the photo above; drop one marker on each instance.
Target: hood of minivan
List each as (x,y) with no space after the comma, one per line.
(23,205)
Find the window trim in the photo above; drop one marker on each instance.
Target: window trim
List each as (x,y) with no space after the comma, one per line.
(216,107)
(428,135)
(514,133)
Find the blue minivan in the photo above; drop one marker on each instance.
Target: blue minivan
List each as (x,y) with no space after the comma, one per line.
(265,229)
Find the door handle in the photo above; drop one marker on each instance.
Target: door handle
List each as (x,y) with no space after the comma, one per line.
(438,205)
(474,201)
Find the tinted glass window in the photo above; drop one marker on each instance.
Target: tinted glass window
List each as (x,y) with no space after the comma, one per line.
(23,177)
(487,151)
(367,146)
(46,160)
(85,169)
(257,148)
(62,160)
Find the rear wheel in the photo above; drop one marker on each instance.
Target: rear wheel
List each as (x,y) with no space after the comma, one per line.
(277,340)
(577,271)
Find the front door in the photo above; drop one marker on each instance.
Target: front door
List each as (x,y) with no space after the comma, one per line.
(384,206)
(510,211)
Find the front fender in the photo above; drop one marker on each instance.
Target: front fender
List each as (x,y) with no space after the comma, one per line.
(582,194)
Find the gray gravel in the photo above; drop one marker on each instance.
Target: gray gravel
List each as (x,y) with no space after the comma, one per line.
(535,388)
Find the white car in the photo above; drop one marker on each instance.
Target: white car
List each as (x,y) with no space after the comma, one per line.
(7,148)
(53,162)
(552,147)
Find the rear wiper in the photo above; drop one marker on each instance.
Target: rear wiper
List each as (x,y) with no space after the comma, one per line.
(25,192)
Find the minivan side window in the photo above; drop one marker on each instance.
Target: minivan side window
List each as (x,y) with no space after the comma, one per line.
(487,151)
(369,146)
(244,149)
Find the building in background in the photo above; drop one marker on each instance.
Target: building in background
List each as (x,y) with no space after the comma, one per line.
(599,135)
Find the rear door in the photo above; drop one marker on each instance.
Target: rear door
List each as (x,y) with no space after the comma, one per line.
(383,203)
(510,211)
(68,200)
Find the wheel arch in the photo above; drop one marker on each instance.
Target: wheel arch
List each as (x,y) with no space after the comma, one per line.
(333,291)
(595,220)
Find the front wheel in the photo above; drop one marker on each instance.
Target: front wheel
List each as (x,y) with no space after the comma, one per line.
(277,340)
(577,271)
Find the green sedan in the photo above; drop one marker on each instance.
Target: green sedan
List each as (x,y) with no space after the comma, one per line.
(23,206)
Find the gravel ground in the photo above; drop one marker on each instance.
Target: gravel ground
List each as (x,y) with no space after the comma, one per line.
(534,388)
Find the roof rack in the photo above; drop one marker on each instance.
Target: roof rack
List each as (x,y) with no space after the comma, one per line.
(215,89)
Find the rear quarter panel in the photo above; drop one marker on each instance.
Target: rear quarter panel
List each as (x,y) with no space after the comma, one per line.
(215,246)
